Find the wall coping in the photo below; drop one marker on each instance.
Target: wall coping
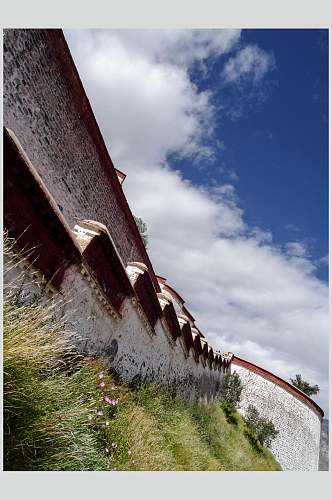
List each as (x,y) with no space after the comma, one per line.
(40,229)
(176,295)
(121,176)
(279,381)
(84,109)
(144,296)
(105,264)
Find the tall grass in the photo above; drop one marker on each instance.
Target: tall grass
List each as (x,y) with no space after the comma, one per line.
(49,394)
(63,411)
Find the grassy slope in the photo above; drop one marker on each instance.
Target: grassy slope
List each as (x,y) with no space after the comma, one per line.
(51,396)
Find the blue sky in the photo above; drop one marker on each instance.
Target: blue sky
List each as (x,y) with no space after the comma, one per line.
(278,145)
(223,137)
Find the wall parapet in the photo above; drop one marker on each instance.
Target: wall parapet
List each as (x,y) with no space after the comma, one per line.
(87,254)
(68,69)
(279,381)
(171,320)
(141,325)
(31,216)
(145,292)
(102,259)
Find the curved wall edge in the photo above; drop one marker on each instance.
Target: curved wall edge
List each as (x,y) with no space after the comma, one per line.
(279,381)
(295,416)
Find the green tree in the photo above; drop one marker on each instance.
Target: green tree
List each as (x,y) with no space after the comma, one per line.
(230,389)
(260,428)
(304,386)
(142,227)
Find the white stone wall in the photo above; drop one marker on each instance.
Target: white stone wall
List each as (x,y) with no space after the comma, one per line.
(136,355)
(122,339)
(127,345)
(297,445)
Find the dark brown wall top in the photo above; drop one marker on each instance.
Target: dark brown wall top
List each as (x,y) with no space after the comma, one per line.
(187,336)
(105,265)
(197,345)
(147,297)
(172,320)
(32,218)
(46,107)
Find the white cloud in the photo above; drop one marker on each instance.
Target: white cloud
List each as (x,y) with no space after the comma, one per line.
(248,296)
(296,249)
(250,63)
(181,47)
(154,103)
(292,227)
(324,261)
(229,173)
(261,236)
(245,81)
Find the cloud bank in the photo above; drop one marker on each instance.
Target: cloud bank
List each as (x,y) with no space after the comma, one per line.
(248,295)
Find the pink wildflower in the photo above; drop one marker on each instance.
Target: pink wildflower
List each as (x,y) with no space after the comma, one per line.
(102,385)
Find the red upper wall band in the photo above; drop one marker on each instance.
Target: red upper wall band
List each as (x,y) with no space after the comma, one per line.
(106,266)
(173,292)
(84,109)
(279,381)
(32,217)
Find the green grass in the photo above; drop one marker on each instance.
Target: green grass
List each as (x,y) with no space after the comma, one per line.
(52,394)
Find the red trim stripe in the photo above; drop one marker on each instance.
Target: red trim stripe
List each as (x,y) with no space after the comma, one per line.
(279,381)
(84,109)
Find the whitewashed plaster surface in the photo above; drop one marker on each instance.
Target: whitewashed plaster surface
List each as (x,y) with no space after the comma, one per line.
(136,356)
(297,445)
(129,348)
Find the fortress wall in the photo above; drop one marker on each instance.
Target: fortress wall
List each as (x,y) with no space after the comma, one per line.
(107,304)
(46,107)
(130,349)
(124,343)
(57,171)
(295,415)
